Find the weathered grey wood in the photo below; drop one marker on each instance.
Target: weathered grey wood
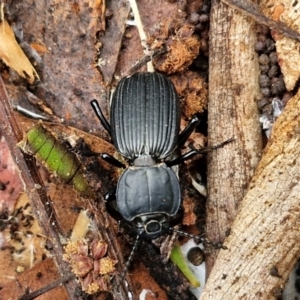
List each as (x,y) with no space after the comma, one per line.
(233,85)
(264,243)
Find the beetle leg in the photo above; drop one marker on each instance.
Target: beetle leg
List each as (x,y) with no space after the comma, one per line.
(184,135)
(96,107)
(110,196)
(182,158)
(109,199)
(177,218)
(111,160)
(209,149)
(194,152)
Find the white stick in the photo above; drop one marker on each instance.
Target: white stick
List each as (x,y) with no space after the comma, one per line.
(141,31)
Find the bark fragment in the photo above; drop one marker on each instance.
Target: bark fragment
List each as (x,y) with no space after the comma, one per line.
(265,234)
(232,113)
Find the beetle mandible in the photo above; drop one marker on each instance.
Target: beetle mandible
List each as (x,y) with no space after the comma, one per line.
(144,128)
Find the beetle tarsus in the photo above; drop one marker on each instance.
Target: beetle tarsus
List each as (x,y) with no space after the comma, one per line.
(212,148)
(194,152)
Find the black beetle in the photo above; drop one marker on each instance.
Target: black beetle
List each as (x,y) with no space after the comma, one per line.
(145,119)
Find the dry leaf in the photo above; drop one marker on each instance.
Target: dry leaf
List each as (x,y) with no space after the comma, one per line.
(13,55)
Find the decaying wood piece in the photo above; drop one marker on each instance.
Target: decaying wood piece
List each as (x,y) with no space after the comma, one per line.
(264,244)
(254,11)
(288,12)
(282,16)
(233,113)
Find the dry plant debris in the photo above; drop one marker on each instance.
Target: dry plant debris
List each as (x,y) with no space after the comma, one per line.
(192,89)
(90,264)
(13,55)
(181,43)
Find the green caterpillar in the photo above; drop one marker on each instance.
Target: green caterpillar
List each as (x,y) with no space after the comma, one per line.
(56,157)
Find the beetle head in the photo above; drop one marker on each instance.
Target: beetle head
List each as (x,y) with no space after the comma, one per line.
(152,226)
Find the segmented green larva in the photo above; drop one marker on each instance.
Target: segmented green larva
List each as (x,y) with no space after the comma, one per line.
(56,157)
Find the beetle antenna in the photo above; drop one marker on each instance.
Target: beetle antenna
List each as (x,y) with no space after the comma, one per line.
(201,239)
(129,260)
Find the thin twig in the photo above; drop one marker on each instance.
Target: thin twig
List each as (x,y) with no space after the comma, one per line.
(141,62)
(254,12)
(142,34)
(44,289)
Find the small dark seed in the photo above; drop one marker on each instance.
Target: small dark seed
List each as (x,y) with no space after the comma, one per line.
(203,18)
(264,81)
(199,27)
(270,44)
(263,102)
(205,8)
(264,68)
(274,71)
(196,256)
(264,59)
(194,18)
(260,46)
(266,92)
(273,58)
(268,109)
(277,86)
